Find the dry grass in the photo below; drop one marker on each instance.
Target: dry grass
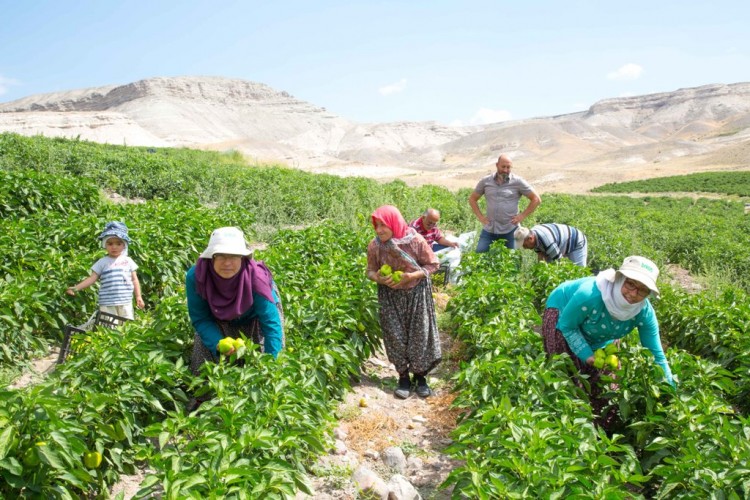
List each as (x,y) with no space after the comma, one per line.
(377,430)
(441,300)
(371,431)
(442,416)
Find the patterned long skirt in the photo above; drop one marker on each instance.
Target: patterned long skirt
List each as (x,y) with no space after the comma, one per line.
(409,324)
(555,343)
(252,331)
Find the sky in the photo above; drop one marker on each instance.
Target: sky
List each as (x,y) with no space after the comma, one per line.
(461,62)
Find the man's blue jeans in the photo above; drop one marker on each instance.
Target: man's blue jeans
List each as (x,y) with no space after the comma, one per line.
(486,238)
(436,247)
(579,256)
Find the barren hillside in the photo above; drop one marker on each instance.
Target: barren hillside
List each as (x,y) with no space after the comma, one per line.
(703,128)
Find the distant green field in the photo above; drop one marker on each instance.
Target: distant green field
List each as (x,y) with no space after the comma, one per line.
(272,196)
(730,183)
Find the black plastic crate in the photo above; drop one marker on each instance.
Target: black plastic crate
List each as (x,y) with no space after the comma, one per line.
(80,332)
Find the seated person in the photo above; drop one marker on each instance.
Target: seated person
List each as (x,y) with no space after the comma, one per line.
(426,225)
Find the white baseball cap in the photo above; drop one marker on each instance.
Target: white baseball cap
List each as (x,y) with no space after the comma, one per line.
(226,240)
(642,270)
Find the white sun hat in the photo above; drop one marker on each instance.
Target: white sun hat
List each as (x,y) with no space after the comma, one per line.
(520,235)
(642,270)
(226,240)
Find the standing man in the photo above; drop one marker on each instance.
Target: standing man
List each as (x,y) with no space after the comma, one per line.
(502,191)
(426,225)
(553,241)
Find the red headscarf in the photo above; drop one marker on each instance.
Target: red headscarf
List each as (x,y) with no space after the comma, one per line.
(392,218)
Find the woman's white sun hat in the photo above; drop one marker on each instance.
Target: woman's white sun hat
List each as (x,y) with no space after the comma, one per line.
(226,240)
(642,270)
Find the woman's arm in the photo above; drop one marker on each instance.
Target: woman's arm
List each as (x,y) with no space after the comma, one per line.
(648,332)
(270,323)
(572,317)
(200,314)
(379,279)
(428,262)
(373,267)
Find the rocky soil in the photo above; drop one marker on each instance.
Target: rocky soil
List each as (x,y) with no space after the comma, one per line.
(387,446)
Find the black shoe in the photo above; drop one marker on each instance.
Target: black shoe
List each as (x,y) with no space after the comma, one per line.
(404,387)
(423,390)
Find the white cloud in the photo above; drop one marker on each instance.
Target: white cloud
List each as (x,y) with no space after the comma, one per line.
(393,88)
(5,83)
(629,71)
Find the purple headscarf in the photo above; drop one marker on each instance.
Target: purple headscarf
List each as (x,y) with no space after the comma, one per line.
(231,298)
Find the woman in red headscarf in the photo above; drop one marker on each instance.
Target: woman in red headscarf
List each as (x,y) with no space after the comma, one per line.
(407,310)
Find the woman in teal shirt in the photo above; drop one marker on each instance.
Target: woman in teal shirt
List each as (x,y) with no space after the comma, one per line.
(227,293)
(589,313)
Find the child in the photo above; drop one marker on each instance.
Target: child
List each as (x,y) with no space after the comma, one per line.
(117,274)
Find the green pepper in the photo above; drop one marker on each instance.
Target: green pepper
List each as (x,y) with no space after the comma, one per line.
(92,459)
(31,458)
(119,431)
(225,345)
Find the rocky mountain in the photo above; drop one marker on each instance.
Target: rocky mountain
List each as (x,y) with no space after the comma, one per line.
(702,128)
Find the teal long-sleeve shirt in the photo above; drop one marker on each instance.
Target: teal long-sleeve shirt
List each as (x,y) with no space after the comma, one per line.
(587,325)
(208,330)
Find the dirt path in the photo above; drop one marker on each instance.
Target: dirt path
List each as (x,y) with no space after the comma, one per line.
(675,194)
(681,277)
(38,369)
(372,420)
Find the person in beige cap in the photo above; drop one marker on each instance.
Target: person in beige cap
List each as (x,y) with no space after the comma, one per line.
(552,242)
(590,313)
(228,293)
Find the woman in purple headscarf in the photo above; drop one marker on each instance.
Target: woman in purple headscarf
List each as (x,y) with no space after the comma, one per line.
(227,293)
